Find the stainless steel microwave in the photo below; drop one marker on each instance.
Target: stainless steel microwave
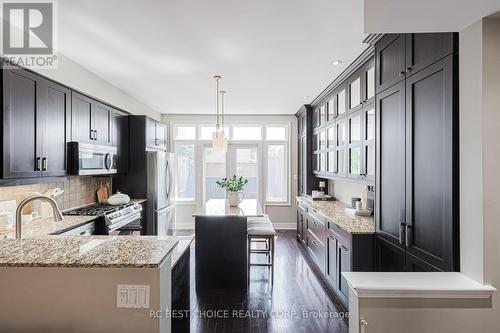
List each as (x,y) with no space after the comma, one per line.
(90,159)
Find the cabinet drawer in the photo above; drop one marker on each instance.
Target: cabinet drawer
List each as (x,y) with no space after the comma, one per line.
(316,249)
(313,212)
(302,205)
(339,233)
(316,227)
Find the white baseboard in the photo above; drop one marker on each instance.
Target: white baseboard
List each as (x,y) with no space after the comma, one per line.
(278,225)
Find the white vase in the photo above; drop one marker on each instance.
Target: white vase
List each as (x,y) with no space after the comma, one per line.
(234,198)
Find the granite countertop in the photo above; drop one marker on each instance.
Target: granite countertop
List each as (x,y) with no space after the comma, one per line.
(47,226)
(220,207)
(87,251)
(183,246)
(334,211)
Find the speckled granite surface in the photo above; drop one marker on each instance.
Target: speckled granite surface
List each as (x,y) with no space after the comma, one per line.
(334,211)
(87,251)
(183,246)
(47,226)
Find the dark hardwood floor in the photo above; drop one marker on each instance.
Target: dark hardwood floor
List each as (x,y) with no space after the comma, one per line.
(289,306)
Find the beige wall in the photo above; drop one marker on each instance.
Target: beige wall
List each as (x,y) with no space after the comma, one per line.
(79,78)
(283,216)
(78,190)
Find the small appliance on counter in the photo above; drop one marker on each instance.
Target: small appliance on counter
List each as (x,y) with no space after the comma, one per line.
(321,196)
(118,199)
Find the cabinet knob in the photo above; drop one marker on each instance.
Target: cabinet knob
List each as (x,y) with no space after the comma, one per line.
(408,69)
(402,73)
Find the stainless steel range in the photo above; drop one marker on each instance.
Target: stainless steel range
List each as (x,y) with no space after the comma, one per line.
(115,217)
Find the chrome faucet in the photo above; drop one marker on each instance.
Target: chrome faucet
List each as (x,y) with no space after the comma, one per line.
(55,209)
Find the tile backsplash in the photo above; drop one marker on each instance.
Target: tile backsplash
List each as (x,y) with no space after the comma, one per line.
(78,190)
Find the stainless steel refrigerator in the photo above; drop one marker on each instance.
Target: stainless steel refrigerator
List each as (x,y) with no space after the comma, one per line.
(160,171)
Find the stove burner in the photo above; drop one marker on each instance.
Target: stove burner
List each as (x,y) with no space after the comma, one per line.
(96,210)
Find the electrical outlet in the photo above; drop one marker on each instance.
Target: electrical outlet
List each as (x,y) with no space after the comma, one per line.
(132,296)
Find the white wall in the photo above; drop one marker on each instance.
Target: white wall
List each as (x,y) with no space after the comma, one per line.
(283,216)
(344,190)
(81,79)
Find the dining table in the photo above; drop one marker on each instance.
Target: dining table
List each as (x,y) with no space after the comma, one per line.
(221,243)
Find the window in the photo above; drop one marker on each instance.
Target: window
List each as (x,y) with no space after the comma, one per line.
(206,132)
(185,180)
(276,133)
(214,169)
(277,172)
(185,132)
(247,133)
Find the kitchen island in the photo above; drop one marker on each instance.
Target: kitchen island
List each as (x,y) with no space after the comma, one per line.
(92,283)
(221,243)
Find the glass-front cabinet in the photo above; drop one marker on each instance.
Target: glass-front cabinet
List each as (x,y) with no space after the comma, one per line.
(344,128)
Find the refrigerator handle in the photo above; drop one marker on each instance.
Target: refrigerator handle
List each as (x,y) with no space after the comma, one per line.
(170,176)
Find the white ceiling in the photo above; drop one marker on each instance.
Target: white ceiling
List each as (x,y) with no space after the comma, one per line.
(271,53)
(425,15)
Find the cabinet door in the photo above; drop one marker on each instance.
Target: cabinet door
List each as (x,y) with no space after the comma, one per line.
(354,160)
(150,133)
(354,89)
(119,139)
(368,82)
(424,49)
(81,118)
(161,135)
(368,132)
(55,114)
(341,148)
(101,121)
(300,165)
(388,257)
(390,163)
(344,265)
(331,261)
(21,140)
(414,264)
(390,61)
(429,164)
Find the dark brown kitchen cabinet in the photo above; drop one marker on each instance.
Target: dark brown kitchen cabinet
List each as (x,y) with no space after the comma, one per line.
(390,203)
(156,134)
(401,55)
(331,271)
(120,138)
(355,91)
(90,120)
(368,81)
(424,49)
(34,125)
(344,264)
(417,166)
(301,225)
(430,171)
(388,257)
(305,151)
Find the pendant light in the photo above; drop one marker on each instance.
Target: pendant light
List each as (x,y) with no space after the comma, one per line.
(224,139)
(218,134)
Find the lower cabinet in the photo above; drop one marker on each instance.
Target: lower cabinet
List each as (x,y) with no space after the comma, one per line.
(333,249)
(392,258)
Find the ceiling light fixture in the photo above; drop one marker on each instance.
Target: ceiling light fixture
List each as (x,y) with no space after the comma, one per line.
(218,135)
(336,62)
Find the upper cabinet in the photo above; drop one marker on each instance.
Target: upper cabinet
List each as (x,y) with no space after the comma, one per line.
(120,138)
(400,55)
(90,121)
(343,138)
(34,125)
(156,134)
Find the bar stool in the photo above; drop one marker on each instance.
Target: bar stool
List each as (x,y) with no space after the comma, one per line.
(260,229)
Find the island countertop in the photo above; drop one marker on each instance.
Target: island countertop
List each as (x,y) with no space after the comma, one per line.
(220,207)
(87,251)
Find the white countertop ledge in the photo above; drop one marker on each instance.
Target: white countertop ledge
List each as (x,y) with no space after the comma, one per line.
(416,285)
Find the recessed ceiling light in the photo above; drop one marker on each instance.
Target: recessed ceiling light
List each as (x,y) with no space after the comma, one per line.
(336,62)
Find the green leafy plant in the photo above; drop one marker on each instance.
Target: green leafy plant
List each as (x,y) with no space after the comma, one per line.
(232,184)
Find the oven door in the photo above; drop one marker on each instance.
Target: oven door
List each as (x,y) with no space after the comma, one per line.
(121,228)
(165,221)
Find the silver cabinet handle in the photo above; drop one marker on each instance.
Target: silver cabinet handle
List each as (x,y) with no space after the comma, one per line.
(44,164)
(91,134)
(401,233)
(37,166)
(95,135)
(314,242)
(408,236)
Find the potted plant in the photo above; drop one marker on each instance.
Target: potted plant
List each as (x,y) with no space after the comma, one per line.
(233,185)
